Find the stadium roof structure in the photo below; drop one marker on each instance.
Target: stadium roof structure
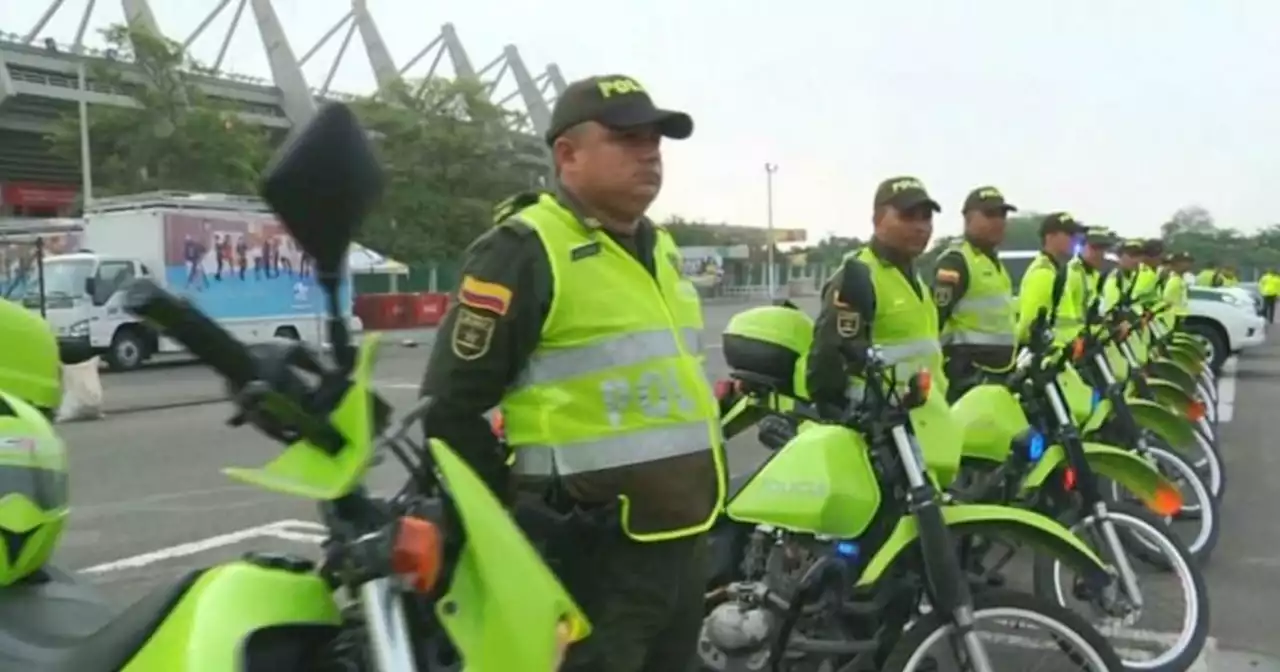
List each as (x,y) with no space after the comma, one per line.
(40,76)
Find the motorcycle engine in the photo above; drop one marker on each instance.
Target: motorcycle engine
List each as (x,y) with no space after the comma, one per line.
(738,633)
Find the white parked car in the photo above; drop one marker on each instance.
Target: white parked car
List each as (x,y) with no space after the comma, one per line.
(1226,317)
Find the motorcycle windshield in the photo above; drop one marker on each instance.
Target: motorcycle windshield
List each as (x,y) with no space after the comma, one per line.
(504,605)
(939,436)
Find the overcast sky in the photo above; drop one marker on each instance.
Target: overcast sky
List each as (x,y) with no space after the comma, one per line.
(1120,111)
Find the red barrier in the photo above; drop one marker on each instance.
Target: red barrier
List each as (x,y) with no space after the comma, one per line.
(429,309)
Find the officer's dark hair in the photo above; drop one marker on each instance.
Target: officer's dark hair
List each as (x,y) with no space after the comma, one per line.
(573,133)
(877,213)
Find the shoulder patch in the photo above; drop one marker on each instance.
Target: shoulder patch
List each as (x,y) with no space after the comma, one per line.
(487,296)
(472,334)
(847,323)
(942,295)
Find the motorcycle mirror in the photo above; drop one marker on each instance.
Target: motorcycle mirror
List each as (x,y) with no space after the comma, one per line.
(322,184)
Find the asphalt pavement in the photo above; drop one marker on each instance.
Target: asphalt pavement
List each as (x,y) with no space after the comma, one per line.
(150,501)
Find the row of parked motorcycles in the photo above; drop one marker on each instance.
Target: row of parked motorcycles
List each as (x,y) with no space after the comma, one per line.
(1090,470)
(878,537)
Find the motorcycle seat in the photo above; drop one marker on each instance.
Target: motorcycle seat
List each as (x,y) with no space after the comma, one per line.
(110,647)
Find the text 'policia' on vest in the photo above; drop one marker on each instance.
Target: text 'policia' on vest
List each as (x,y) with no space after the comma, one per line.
(615,401)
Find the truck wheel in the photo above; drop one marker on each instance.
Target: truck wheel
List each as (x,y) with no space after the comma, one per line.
(128,351)
(1212,333)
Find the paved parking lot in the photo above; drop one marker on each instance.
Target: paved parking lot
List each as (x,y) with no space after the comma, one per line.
(151,503)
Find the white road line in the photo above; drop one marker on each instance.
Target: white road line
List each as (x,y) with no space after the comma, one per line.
(1227,390)
(182,550)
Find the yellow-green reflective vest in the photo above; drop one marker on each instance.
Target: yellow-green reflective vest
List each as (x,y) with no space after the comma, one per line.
(1206,278)
(905,325)
(616,380)
(1037,292)
(1082,284)
(1177,297)
(1117,285)
(1146,286)
(984,315)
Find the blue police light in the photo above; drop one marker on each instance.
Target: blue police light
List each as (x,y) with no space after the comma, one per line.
(1095,400)
(847,549)
(1035,446)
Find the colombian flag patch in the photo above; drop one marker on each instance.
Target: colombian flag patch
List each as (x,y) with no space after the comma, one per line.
(483,295)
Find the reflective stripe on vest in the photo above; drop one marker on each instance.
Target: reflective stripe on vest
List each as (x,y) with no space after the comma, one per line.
(612,452)
(991,309)
(622,350)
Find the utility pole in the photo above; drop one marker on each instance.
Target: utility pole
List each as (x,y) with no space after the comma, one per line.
(769,170)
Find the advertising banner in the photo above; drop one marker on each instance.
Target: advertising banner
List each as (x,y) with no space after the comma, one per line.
(235,266)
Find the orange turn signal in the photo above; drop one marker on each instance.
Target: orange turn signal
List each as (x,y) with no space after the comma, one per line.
(418,552)
(498,424)
(1167,500)
(924,383)
(1195,410)
(1077,349)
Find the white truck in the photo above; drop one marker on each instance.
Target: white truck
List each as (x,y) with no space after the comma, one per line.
(1225,317)
(227,254)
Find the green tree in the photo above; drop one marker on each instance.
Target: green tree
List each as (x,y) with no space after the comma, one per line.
(450,156)
(176,138)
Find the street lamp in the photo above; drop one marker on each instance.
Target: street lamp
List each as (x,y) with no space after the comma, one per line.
(769,170)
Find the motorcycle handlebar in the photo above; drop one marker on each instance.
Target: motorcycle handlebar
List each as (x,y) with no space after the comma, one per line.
(184,323)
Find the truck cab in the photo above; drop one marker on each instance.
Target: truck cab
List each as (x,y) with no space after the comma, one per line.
(82,303)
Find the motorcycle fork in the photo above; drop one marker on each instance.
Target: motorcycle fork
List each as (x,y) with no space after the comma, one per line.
(1090,492)
(946,579)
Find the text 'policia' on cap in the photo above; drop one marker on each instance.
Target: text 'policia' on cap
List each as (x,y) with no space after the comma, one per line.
(616,101)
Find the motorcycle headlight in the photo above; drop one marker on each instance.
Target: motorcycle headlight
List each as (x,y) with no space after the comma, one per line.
(1030,445)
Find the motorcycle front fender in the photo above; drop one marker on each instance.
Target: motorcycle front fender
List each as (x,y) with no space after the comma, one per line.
(1170,396)
(1122,466)
(1173,372)
(991,521)
(1176,430)
(209,627)
(1191,343)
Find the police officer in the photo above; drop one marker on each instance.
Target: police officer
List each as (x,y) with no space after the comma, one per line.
(573,317)
(975,295)
(1044,283)
(1084,272)
(1269,287)
(876,297)
(1174,293)
(1210,276)
(1119,285)
(1146,285)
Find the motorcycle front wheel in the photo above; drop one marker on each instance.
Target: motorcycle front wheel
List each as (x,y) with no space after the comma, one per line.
(1171,647)
(931,642)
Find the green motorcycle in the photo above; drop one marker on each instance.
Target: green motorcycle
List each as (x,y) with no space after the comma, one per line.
(1174,374)
(1065,481)
(406,584)
(1162,435)
(849,534)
